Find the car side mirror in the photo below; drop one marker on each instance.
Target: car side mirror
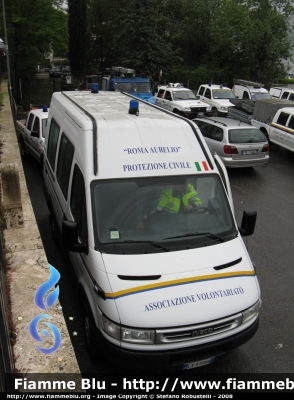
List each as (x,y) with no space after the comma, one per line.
(248,223)
(35,134)
(69,237)
(197,97)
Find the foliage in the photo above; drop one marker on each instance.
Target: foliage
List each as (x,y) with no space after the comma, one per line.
(192,78)
(33,29)
(141,42)
(189,41)
(252,37)
(77,23)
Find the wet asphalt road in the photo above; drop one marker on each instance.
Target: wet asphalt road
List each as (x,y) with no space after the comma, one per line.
(269,191)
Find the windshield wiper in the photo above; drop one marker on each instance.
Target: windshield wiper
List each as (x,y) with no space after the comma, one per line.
(207,234)
(156,244)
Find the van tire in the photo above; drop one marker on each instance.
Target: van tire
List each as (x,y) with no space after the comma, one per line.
(91,333)
(22,148)
(214,112)
(53,224)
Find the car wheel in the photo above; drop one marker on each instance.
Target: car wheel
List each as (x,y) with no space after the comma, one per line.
(53,224)
(214,112)
(90,330)
(22,148)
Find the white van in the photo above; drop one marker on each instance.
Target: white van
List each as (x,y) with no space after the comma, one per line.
(250,90)
(165,278)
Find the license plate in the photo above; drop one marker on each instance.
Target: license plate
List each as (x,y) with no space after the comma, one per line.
(244,152)
(196,364)
(200,114)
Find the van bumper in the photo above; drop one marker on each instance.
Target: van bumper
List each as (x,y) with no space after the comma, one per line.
(174,360)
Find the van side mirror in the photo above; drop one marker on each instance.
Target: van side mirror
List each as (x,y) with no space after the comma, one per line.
(197,96)
(248,223)
(69,237)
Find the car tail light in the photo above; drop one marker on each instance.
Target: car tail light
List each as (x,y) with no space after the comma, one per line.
(266,148)
(230,150)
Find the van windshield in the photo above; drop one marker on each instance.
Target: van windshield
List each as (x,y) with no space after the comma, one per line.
(223,94)
(160,213)
(184,95)
(132,87)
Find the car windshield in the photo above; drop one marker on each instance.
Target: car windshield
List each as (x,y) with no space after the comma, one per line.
(147,214)
(223,94)
(246,136)
(184,95)
(258,95)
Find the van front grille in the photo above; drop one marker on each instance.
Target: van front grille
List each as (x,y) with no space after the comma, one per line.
(195,332)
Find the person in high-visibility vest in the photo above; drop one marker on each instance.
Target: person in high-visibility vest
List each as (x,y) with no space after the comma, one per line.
(179,198)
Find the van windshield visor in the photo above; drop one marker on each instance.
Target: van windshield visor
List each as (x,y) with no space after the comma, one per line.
(166,211)
(223,94)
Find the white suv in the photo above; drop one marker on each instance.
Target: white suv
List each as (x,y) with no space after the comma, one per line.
(175,98)
(218,97)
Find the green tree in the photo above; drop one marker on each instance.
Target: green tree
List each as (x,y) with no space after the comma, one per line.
(103,17)
(78,43)
(249,39)
(33,29)
(141,43)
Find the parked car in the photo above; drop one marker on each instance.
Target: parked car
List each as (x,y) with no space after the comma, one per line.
(218,97)
(238,144)
(179,100)
(55,72)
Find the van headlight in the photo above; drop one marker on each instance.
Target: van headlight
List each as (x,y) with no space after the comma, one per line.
(224,108)
(130,335)
(187,108)
(251,312)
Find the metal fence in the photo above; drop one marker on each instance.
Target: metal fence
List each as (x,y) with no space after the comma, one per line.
(6,357)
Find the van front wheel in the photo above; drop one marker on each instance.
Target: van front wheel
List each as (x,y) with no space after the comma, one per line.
(214,112)
(53,224)
(91,333)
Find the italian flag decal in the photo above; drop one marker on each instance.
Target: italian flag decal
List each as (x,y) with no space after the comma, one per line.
(201,166)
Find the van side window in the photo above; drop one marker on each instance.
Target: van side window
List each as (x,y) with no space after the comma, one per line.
(285,95)
(78,203)
(30,121)
(65,157)
(161,93)
(207,94)
(168,95)
(291,97)
(291,122)
(283,117)
(36,126)
(201,91)
(52,143)
(245,95)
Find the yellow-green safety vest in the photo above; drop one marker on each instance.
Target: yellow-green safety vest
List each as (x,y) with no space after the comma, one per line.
(169,202)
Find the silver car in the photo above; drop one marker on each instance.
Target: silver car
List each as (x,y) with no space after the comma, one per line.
(238,144)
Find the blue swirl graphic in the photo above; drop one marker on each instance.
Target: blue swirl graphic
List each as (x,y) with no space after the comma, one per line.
(34,333)
(45,287)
